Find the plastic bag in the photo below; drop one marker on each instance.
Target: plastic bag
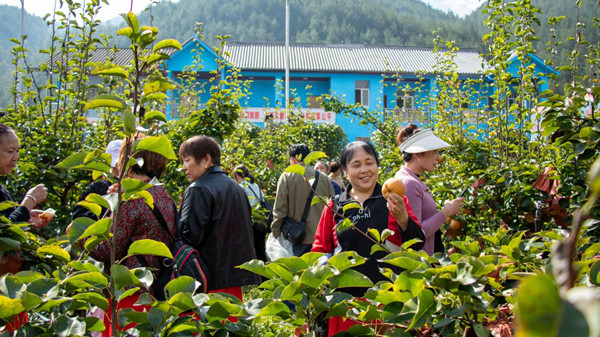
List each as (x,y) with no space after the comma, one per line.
(278,247)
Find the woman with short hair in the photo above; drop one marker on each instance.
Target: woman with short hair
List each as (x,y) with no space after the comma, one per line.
(215,217)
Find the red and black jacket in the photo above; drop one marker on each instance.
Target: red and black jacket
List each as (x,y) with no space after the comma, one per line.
(374,214)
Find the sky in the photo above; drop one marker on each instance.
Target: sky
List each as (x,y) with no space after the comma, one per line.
(41,7)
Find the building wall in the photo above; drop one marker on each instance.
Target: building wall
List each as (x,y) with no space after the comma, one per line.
(267,95)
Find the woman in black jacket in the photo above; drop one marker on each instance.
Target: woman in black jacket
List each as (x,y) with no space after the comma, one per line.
(9,155)
(11,262)
(216,217)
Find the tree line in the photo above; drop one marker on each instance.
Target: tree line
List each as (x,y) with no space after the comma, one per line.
(373,22)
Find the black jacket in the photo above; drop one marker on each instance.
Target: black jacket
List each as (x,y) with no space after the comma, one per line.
(14,214)
(374,214)
(216,220)
(99,187)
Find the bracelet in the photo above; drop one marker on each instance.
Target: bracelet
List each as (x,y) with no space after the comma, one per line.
(32,197)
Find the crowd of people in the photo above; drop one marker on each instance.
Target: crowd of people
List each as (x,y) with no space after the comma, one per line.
(215,214)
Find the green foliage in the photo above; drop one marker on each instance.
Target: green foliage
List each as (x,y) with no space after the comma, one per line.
(264,151)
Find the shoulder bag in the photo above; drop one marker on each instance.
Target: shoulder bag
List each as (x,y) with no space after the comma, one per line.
(295,231)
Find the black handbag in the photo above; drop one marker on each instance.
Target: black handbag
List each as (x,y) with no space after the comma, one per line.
(295,231)
(186,261)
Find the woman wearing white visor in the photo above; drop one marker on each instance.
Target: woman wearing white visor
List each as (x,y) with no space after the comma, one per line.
(420,153)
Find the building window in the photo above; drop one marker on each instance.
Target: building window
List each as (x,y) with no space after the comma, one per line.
(512,99)
(314,102)
(361,93)
(405,99)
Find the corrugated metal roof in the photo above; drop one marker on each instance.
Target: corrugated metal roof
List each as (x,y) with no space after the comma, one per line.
(346,58)
(121,56)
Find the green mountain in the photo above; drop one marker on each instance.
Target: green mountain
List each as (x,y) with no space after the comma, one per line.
(38,36)
(390,22)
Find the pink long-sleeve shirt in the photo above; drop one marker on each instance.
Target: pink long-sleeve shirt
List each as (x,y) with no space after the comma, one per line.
(423,205)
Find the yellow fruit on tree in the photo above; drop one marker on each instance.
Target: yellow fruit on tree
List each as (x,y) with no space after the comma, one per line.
(456,225)
(393,185)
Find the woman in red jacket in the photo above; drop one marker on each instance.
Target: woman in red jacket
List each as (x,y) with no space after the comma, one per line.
(360,163)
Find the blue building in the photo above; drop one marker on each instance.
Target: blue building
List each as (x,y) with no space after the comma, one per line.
(400,81)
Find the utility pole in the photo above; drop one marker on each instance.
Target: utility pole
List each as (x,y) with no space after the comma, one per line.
(17,73)
(287,53)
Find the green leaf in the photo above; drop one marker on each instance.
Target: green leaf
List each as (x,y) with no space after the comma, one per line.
(87,280)
(298,169)
(94,298)
(180,303)
(313,156)
(7,204)
(8,244)
(351,205)
(280,271)
(129,122)
(69,326)
(149,247)
(10,307)
(72,161)
(538,306)
(404,282)
(155,115)
(129,292)
(182,284)
(160,145)
(134,186)
(93,207)
(93,324)
(105,101)
(125,31)
(374,233)
(157,96)
(402,261)
(296,264)
(425,308)
(116,71)
(347,223)
(132,21)
(350,278)
(123,276)
(101,228)
(386,233)
(480,330)
(157,84)
(156,57)
(54,251)
(98,199)
(221,310)
(345,260)
(292,292)
(595,273)
(317,200)
(274,309)
(315,276)
(167,43)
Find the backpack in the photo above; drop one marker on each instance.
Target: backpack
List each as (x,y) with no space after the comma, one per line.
(186,261)
(264,227)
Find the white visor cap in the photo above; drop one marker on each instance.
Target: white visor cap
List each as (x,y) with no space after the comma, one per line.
(114,148)
(423,141)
